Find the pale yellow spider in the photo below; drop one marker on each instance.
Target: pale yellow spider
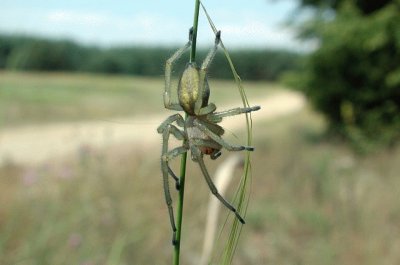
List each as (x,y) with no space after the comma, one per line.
(200,132)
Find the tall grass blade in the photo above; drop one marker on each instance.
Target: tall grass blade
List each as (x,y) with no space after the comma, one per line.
(243,192)
(117,248)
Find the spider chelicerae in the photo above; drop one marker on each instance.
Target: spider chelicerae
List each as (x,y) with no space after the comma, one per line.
(200,132)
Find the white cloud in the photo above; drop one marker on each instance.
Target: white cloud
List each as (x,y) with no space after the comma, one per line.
(256,33)
(74,17)
(108,29)
(104,27)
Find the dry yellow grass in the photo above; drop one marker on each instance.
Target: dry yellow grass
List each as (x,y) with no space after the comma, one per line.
(37,98)
(313,202)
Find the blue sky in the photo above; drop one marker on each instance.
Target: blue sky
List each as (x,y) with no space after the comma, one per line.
(256,23)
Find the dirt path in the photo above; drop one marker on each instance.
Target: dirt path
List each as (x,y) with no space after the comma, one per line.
(36,144)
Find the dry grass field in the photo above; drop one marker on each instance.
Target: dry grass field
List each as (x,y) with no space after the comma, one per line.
(313,200)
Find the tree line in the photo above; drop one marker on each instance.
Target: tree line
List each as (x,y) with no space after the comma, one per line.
(38,54)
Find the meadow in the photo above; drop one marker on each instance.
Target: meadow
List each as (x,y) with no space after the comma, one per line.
(38,98)
(313,201)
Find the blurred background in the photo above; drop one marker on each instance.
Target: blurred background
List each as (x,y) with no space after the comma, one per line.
(81,86)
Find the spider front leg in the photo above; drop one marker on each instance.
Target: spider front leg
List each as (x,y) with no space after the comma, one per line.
(203,83)
(217,116)
(199,158)
(168,73)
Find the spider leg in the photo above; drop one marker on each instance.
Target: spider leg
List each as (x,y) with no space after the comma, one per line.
(166,157)
(206,143)
(198,109)
(168,72)
(203,127)
(215,128)
(217,116)
(167,130)
(176,117)
(211,185)
(166,170)
(210,56)
(215,154)
(168,200)
(210,108)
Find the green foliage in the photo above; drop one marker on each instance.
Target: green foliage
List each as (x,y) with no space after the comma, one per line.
(354,77)
(28,53)
(38,54)
(366,6)
(257,64)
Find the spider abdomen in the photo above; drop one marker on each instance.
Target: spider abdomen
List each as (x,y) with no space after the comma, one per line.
(189,89)
(207,150)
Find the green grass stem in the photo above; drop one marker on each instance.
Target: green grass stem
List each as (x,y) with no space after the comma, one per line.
(195,26)
(177,246)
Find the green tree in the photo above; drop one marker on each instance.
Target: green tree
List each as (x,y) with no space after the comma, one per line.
(353,78)
(366,6)
(39,54)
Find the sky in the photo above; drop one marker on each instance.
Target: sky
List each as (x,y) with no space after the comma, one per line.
(255,23)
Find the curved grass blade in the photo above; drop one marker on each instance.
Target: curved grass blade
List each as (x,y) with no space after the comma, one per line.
(243,192)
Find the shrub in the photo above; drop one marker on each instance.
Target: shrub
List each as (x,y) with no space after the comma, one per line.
(354,77)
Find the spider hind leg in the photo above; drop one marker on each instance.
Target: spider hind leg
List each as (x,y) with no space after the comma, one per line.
(199,158)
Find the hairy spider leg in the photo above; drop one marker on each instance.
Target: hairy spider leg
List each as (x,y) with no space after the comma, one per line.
(197,153)
(206,143)
(198,109)
(217,116)
(180,136)
(215,128)
(173,118)
(168,73)
(177,133)
(175,152)
(170,155)
(166,170)
(199,124)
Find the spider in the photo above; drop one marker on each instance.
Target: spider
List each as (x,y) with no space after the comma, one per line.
(200,132)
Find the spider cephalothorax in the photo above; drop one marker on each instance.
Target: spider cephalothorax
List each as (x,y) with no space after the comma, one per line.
(200,132)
